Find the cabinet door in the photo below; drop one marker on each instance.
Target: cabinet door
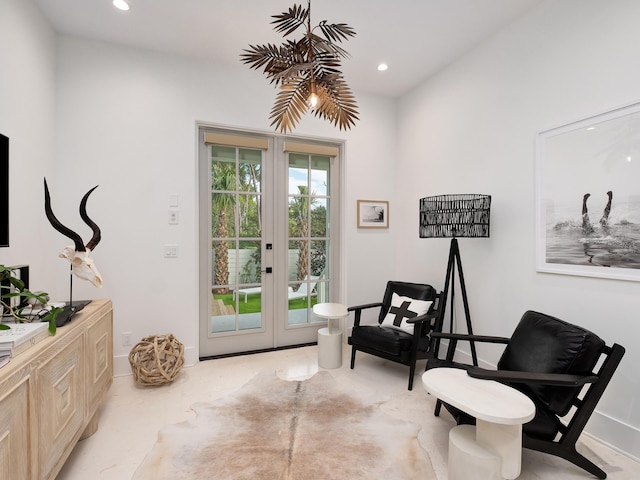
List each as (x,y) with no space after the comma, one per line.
(60,403)
(14,432)
(99,361)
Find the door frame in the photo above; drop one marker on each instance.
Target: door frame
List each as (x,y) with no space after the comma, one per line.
(271,310)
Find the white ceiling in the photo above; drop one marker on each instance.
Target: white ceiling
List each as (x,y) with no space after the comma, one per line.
(416,38)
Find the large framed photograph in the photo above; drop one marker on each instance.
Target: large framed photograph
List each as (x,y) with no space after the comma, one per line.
(588,196)
(373,214)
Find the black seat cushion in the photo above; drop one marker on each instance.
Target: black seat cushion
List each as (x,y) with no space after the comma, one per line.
(392,341)
(545,344)
(545,424)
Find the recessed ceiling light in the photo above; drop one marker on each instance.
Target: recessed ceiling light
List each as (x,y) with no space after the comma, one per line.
(121,5)
(382,67)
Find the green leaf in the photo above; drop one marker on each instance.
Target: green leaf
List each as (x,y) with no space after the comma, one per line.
(51,318)
(16,312)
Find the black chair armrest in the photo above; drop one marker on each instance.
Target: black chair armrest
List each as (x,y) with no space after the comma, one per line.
(358,311)
(454,337)
(422,325)
(508,376)
(471,338)
(362,307)
(423,318)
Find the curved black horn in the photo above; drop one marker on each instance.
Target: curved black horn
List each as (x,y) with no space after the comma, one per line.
(96,229)
(55,223)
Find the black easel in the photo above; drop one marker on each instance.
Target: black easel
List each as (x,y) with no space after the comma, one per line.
(454,258)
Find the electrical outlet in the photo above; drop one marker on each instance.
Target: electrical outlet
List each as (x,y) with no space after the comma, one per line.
(171,251)
(126,339)
(174,218)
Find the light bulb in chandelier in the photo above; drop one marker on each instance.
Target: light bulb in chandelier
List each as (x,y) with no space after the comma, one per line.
(121,5)
(313,100)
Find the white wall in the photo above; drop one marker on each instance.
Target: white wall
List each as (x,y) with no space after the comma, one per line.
(83,113)
(126,120)
(471,129)
(27,79)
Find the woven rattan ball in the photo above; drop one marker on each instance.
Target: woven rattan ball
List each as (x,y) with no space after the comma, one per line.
(156,360)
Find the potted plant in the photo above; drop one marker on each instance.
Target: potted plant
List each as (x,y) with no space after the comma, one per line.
(12,287)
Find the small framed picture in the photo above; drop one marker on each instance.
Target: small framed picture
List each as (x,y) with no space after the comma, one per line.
(373,214)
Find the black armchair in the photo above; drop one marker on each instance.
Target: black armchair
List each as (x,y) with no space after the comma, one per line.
(391,342)
(563,368)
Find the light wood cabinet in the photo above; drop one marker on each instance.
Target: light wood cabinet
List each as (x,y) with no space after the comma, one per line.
(49,394)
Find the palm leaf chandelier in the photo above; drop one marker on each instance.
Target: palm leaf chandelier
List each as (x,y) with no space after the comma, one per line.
(306,71)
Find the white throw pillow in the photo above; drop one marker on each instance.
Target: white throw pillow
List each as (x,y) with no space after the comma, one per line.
(402,309)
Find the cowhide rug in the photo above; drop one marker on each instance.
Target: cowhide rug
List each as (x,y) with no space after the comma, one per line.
(273,429)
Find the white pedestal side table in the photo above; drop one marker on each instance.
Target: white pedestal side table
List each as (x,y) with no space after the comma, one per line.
(330,338)
(494,446)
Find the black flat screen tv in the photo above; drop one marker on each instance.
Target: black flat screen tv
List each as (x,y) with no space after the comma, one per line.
(4,191)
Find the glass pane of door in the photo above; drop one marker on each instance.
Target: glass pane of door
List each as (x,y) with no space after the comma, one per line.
(236,224)
(308,236)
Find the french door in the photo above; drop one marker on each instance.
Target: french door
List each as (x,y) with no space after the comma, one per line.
(269,236)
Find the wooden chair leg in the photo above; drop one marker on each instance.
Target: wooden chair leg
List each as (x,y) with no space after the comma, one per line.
(568,452)
(353,356)
(438,408)
(412,372)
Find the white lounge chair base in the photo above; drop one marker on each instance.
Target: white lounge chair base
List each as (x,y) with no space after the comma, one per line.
(250,291)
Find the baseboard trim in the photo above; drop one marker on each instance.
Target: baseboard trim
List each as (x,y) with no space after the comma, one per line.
(614,433)
(253,352)
(122,368)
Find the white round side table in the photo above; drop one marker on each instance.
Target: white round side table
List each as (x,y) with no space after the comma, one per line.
(330,338)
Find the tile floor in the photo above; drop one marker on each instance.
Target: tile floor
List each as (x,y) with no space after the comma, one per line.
(131,416)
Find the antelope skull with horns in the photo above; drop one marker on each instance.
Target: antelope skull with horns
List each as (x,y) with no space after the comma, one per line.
(78,255)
